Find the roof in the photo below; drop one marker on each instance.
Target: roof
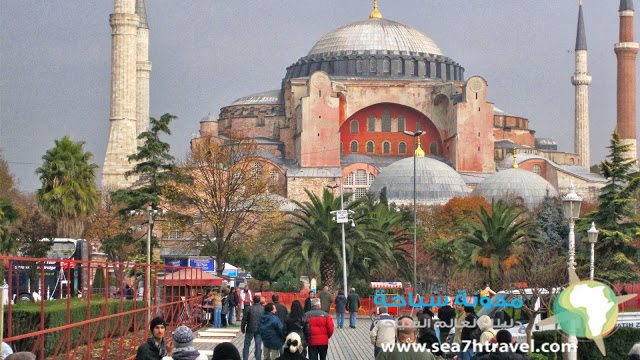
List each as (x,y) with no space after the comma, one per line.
(141,11)
(209,118)
(531,187)
(626,5)
(499,112)
(580,172)
(190,277)
(375,34)
(436,183)
(270,97)
(581,38)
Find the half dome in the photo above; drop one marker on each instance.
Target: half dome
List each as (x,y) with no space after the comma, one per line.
(518,183)
(437,183)
(374,35)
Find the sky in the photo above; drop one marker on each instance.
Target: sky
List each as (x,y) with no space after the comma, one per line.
(55,62)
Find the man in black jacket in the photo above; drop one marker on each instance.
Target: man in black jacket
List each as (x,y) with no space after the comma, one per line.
(156,347)
(249,327)
(234,300)
(448,315)
(281,310)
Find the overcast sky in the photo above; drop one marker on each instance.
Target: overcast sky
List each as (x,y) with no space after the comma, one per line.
(55,61)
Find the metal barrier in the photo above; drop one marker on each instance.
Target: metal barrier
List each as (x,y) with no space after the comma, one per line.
(82,314)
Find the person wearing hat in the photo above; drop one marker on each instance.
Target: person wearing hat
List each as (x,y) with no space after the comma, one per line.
(225,351)
(183,346)
(292,348)
(156,347)
(353,304)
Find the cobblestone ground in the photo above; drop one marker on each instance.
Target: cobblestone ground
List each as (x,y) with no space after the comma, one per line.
(345,344)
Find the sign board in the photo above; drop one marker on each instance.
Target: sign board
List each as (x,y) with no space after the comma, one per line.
(314,285)
(204,264)
(342,216)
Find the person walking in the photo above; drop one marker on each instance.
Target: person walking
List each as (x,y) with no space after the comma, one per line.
(233,302)
(307,302)
(225,308)
(271,332)
(468,333)
(249,327)
(239,300)
(353,304)
(321,330)
(486,291)
(297,322)
(446,314)
(325,300)
(383,331)
(281,310)
(458,324)
(292,348)
(183,346)
(217,306)
(246,298)
(405,334)
(207,308)
(156,347)
(341,307)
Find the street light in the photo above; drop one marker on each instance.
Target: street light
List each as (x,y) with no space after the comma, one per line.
(150,212)
(415,136)
(342,217)
(571,206)
(592,234)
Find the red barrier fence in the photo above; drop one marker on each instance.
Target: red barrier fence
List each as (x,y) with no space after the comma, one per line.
(94,309)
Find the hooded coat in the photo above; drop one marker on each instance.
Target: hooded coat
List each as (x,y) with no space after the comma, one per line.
(271,330)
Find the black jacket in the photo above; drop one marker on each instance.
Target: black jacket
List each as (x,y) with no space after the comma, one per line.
(234,299)
(467,331)
(286,355)
(341,303)
(149,351)
(447,314)
(504,356)
(249,322)
(307,304)
(300,326)
(281,312)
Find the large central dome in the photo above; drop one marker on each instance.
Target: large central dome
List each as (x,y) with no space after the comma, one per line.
(373,35)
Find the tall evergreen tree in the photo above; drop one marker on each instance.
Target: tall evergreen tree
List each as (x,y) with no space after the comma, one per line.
(615,219)
(68,194)
(553,228)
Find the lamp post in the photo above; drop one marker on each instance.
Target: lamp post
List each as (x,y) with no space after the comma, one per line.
(571,206)
(415,214)
(592,235)
(341,217)
(151,213)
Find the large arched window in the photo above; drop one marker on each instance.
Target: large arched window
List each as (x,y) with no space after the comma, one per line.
(386,147)
(386,65)
(402,148)
(372,64)
(402,122)
(354,126)
(386,120)
(358,183)
(359,65)
(370,146)
(433,148)
(354,146)
(537,169)
(371,123)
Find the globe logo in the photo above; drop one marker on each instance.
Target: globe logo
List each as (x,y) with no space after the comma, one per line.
(588,309)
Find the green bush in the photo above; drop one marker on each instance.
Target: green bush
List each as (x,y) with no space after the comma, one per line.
(618,344)
(26,319)
(287,283)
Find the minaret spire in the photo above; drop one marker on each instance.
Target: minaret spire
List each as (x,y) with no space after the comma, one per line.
(581,81)
(375,14)
(143,72)
(626,51)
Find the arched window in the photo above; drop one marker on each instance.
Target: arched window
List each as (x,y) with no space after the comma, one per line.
(358,183)
(537,169)
(418,126)
(402,148)
(371,124)
(372,64)
(359,65)
(386,120)
(354,146)
(433,148)
(386,147)
(370,146)
(401,124)
(572,161)
(354,126)
(256,171)
(386,65)
(274,177)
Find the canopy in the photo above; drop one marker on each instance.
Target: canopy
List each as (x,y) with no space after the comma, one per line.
(190,277)
(386,285)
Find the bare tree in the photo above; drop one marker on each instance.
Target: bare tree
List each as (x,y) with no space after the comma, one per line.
(220,193)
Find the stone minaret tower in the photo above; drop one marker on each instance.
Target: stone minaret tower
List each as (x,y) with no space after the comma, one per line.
(143,70)
(626,51)
(581,81)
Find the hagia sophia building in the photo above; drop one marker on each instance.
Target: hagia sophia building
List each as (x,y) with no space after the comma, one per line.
(341,112)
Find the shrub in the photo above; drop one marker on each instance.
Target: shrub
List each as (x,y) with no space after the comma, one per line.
(618,343)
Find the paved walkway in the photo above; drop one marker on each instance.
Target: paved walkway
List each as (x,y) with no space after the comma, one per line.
(345,344)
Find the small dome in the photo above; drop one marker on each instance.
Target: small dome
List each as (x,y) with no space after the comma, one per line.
(270,97)
(373,35)
(437,183)
(519,183)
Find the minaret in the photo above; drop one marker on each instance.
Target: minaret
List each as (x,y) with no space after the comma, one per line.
(122,133)
(143,70)
(581,81)
(626,51)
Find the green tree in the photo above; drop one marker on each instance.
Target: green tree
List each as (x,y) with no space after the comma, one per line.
(617,222)
(32,231)
(68,193)
(9,216)
(549,219)
(494,236)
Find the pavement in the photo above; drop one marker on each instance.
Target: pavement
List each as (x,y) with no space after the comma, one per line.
(345,344)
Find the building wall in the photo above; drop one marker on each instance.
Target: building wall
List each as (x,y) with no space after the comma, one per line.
(297,185)
(523,137)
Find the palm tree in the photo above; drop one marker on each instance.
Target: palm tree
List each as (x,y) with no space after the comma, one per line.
(494,236)
(68,192)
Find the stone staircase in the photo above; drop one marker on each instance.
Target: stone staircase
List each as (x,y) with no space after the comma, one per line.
(208,338)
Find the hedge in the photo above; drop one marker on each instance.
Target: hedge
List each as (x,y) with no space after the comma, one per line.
(617,344)
(26,319)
